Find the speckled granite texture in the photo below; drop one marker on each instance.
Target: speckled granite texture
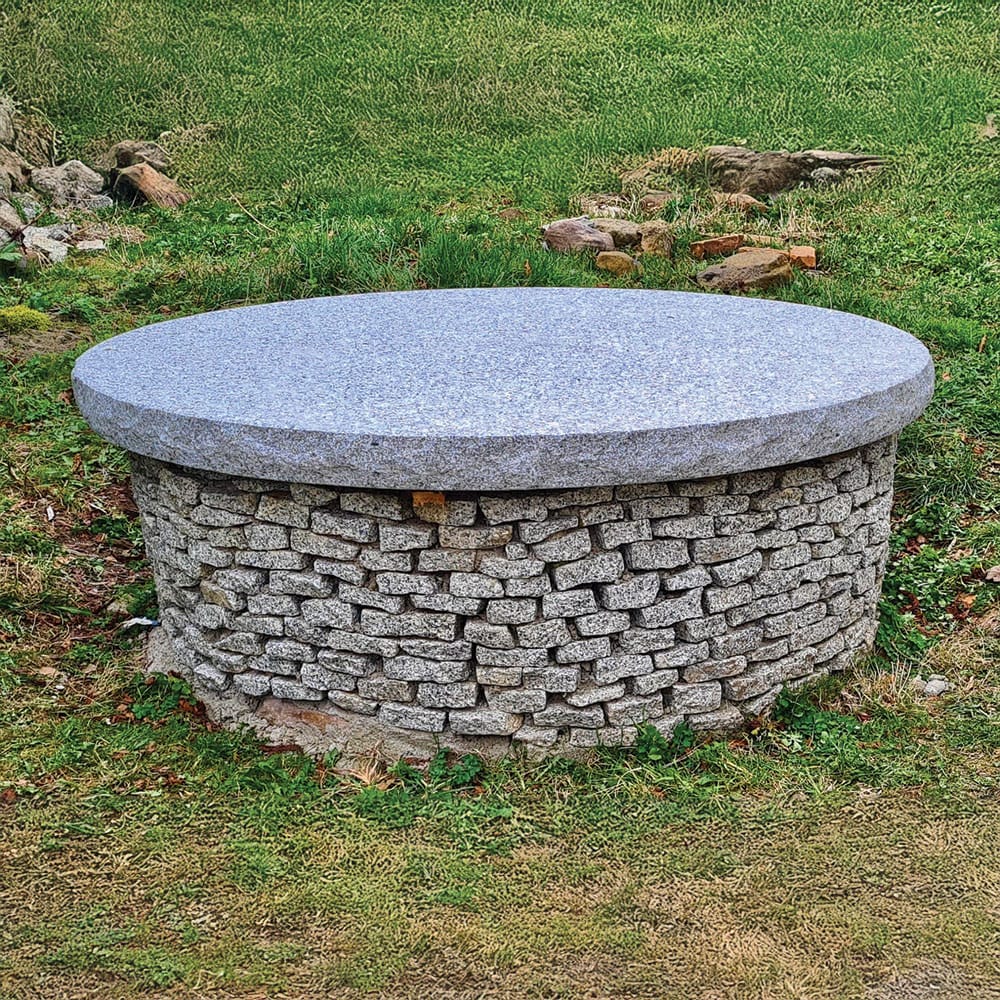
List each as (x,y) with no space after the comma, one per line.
(503,388)
(553,620)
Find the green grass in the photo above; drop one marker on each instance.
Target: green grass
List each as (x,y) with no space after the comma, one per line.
(339,147)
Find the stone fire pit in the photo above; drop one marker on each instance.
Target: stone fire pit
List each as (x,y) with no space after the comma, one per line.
(498,517)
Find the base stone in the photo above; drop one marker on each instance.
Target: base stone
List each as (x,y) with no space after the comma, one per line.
(552,621)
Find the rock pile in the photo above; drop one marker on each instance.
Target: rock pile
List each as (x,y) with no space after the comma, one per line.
(129,172)
(738,176)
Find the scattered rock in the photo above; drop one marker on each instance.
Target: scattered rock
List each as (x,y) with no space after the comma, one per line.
(90,246)
(656,201)
(132,151)
(10,221)
(822,176)
(711,246)
(143,180)
(575,235)
(610,206)
(618,263)
(802,256)
(753,268)
(623,232)
(936,686)
(917,684)
(657,238)
(15,169)
(739,201)
(29,206)
(738,169)
(71,183)
(46,249)
(993,574)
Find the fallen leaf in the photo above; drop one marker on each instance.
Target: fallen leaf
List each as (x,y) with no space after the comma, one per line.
(989,130)
(993,574)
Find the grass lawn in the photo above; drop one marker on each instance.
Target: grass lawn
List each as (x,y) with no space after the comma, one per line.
(849,850)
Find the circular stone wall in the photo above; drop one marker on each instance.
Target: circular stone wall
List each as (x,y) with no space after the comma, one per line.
(554,619)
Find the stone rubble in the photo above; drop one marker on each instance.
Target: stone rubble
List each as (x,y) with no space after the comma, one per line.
(556,619)
(129,171)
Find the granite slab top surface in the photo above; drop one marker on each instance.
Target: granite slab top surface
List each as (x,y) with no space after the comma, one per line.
(503,388)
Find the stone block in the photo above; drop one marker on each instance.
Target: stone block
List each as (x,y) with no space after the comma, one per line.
(735,642)
(284,687)
(516,700)
(500,510)
(354,664)
(512,611)
(658,680)
(389,506)
(609,669)
(692,578)
(400,584)
(645,640)
(559,715)
(530,586)
(639,592)
(484,634)
(670,610)
(352,527)
(605,567)
(531,532)
(583,650)
(315,675)
(404,716)
(446,561)
(543,635)
(612,534)
(507,569)
(692,526)
(282,509)
(657,554)
(564,548)
(403,537)
(329,612)
(323,545)
(569,604)
(413,668)
(434,649)
(595,694)
(493,657)
(460,694)
(381,688)
(449,603)
(475,538)
(483,722)
(418,624)
(634,710)
(714,670)
(603,623)
(392,562)
(559,680)
(349,572)
(365,598)
(695,698)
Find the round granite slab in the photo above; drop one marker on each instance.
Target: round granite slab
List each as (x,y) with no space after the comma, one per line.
(503,388)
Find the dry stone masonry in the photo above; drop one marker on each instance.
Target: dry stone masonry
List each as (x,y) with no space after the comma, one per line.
(556,618)
(496,518)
